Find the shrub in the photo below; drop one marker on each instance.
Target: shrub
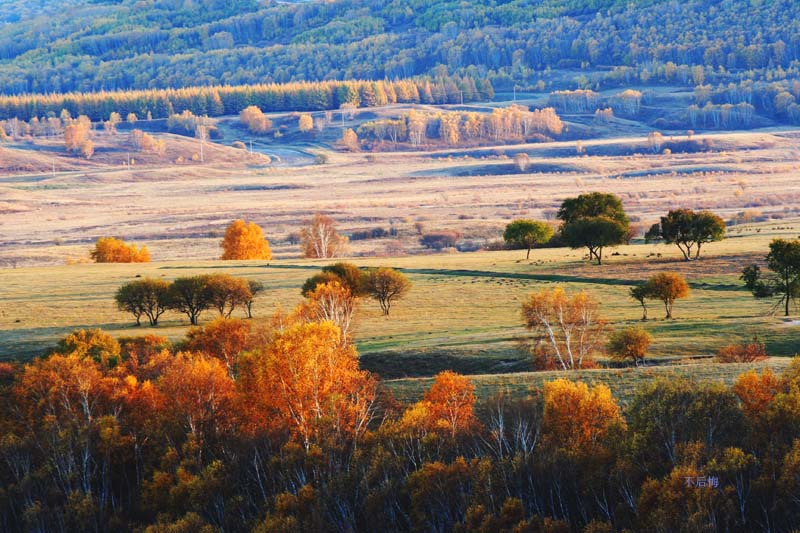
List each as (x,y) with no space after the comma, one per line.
(112,250)
(629,343)
(438,240)
(745,352)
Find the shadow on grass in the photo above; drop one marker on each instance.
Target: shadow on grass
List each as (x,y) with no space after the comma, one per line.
(423,363)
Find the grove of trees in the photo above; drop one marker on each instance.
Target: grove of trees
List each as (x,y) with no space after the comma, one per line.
(189,295)
(274,427)
(686,229)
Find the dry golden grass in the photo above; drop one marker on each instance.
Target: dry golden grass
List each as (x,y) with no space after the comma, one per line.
(179,211)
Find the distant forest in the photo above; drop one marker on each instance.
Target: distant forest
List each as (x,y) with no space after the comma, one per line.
(63,46)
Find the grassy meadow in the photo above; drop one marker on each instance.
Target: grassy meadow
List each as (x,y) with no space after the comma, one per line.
(463,312)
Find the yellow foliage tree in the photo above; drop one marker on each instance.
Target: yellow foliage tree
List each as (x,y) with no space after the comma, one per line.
(245,241)
(578,418)
(113,250)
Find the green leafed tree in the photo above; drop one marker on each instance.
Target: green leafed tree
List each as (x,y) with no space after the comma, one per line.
(145,297)
(527,234)
(594,221)
(783,260)
(688,230)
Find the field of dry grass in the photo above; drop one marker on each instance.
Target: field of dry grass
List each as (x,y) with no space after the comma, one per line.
(179,211)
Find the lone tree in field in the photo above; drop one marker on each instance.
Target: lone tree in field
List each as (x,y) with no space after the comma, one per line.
(305,123)
(687,229)
(783,260)
(320,239)
(255,120)
(641,293)
(527,233)
(146,297)
(191,296)
(593,221)
(245,241)
(227,293)
(256,288)
(668,287)
(629,343)
(566,329)
(387,285)
(112,250)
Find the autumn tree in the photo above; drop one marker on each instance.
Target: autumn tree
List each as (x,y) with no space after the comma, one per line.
(113,250)
(222,338)
(255,120)
(190,295)
(668,287)
(687,229)
(595,221)
(578,419)
(350,140)
(146,297)
(527,234)
(567,329)
(447,406)
(743,352)
(77,134)
(245,241)
(386,285)
(94,344)
(629,343)
(305,123)
(319,238)
(313,384)
(783,260)
(201,395)
(226,293)
(333,302)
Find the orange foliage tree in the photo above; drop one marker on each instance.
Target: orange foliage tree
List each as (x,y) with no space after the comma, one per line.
(333,302)
(310,382)
(451,401)
(567,330)
(447,408)
(745,352)
(222,338)
(630,343)
(668,287)
(112,250)
(245,241)
(201,394)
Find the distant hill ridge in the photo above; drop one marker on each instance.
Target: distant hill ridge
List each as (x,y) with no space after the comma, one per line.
(69,45)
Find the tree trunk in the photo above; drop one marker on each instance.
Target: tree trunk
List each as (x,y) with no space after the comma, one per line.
(528,256)
(644,312)
(668,307)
